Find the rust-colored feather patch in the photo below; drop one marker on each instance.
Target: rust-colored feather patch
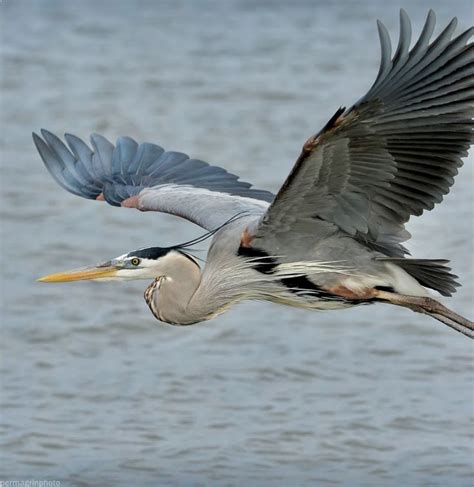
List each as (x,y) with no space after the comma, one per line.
(131,202)
(246,239)
(334,122)
(347,293)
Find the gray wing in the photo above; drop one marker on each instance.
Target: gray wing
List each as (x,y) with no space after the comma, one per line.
(147,177)
(393,154)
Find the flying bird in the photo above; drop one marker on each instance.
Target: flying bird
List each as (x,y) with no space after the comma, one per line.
(332,237)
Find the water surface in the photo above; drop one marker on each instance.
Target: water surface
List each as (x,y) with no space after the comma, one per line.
(94,390)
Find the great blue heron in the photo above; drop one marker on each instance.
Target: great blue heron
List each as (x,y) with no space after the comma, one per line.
(331,237)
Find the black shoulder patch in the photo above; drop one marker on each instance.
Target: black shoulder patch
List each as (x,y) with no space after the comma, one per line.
(388,289)
(260,260)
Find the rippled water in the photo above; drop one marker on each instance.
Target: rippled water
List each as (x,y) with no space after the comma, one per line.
(94,390)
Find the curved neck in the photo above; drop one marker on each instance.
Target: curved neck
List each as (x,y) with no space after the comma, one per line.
(170,297)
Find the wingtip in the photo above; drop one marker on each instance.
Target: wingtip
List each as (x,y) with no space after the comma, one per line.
(45,133)
(95,136)
(98,140)
(453,24)
(403,14)
(382,29)
(405,22)
(470,31)
(71,137)
(39,143)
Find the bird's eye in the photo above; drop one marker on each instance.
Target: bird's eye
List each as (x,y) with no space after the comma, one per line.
(135,261)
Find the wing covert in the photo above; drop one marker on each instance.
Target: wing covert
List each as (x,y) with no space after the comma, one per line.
(160,180)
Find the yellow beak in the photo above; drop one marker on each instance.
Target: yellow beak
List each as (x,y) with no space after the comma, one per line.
(81,274)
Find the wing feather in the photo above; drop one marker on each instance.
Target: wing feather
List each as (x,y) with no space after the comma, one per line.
(393,154)
(163,181)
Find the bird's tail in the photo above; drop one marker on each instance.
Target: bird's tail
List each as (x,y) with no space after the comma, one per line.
(430,307)
(432,273)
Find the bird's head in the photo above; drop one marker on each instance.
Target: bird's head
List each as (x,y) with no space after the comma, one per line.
(148,263)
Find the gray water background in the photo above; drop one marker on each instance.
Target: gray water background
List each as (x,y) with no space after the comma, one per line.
(94,391)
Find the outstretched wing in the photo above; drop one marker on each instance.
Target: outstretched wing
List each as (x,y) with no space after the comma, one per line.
(393,154)
(147,177)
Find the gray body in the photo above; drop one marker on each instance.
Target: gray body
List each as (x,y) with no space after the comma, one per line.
(187,294)
(332,236)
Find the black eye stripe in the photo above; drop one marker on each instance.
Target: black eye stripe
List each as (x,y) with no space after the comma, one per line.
(150,253)
(155,253)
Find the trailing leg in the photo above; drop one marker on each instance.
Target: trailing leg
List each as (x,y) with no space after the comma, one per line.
(430,307)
